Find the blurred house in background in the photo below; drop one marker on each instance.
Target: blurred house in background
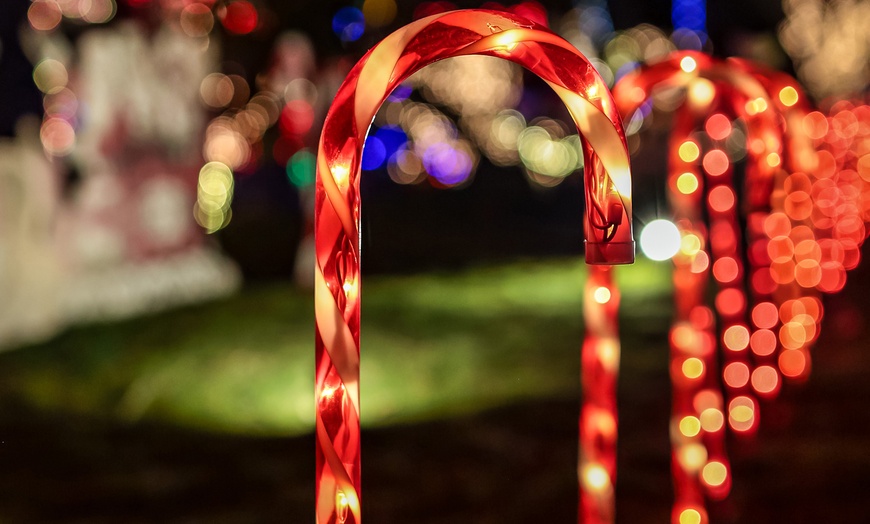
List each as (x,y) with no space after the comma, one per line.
(97,220)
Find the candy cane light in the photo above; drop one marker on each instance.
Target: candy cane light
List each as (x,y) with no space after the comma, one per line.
(768,273)
(607,219)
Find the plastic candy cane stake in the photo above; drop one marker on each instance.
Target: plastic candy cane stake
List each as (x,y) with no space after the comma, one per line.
(607,221)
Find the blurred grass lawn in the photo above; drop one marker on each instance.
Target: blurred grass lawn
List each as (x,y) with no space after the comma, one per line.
(433,344)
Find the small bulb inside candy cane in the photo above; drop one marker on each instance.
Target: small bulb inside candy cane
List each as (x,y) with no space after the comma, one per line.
(337,202)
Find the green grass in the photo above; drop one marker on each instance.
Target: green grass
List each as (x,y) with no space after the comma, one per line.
(433,345)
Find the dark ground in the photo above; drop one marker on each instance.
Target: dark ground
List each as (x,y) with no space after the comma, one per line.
(810,462)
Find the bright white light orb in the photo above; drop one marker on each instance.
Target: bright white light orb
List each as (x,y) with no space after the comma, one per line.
(660,240)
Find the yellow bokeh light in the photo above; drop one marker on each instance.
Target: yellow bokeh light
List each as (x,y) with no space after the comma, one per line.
(788,96)
(50,76)
(701,92)
(595,478)
(379,13)
(690,516)
(714,473)
(773,159)
(755,106)
(608,353)
(689,151)
(693,367)
(690,244)
(690,426)
(602,295)
(687,183)
(98,11)
(742,414)
(214,194)
(712,420)
(688,64)
(692,457)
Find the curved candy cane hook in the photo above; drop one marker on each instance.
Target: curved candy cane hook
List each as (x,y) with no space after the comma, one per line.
(607,222)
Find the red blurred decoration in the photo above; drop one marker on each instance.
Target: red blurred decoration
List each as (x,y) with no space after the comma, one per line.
(239,17)
(297,117)
(804,207)
(337,210)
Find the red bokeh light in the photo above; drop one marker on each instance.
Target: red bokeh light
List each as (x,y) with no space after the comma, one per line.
(239,17)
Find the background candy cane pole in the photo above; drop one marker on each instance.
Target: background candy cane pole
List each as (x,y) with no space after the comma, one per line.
(598,420)
(701,176)
(337,203)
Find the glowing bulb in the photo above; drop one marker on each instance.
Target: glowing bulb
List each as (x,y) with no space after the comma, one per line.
(788,96)
(690,245)
(701,92)
(690,516)
(773,159)
(693,367)
(595,478)
(660,240)
(687,183)
(341,506)
(689,151)
(742,414)
(714,473)
(690,426)
(692,457)
(688,64)
(602,295)
(712,420)
(340,173)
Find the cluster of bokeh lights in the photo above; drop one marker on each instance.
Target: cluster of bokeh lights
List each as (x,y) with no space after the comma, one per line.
(804,202)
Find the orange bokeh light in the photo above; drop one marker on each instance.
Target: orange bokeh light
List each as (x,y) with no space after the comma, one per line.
(718,126)
(765,380)
(730,302)
(716,162)
(726,270)
(765,315)
(792,363)
(763,342)
(721,198)
(736,338)
(736,375)
(815,125)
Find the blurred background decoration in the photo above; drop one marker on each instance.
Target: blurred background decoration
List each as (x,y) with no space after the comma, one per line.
(159,153)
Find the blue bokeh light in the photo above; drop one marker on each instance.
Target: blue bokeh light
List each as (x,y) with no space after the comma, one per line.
(349,24)
(401,92)
(374,153)
(690,16)
(446,164)
(393,138)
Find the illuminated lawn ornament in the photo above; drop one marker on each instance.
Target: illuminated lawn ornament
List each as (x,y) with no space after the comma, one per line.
(337,281)
(770,243)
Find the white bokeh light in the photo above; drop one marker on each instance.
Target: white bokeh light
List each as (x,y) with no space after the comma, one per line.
(660,240)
